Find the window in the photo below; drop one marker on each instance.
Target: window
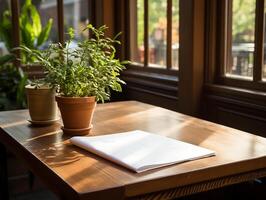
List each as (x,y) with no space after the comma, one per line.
(242,50)
(64,14)
(76,16)
(242,36)
(47,10)
(154,36)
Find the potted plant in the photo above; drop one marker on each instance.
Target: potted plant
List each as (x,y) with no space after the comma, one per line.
(40,97)
(41,103)
(82,76)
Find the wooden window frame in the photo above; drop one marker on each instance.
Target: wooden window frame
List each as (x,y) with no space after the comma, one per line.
(146,67)
(182,88)
(219,32)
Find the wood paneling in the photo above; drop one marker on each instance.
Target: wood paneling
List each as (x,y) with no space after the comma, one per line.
(241,109)
(152,88)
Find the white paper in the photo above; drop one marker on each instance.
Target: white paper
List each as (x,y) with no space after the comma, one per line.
(141,151)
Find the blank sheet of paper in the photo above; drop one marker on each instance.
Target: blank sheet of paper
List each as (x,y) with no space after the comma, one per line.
(141,151)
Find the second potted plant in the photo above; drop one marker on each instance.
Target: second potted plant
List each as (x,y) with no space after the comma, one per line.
(41,103)
(82,76)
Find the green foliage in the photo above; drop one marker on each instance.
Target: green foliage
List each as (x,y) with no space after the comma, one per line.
(12,79)
(243,25)
(88,70)
(12,82)
(33,35)
(5,29)
(6,59)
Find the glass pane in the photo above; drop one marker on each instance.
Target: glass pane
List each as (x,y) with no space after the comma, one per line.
(157,33)
(47,10)
(5,36)
(137,31)
(175,34)
(243,28)
(76,16)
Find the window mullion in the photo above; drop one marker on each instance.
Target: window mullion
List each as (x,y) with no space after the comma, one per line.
(169,35)
(146,33)
(15,28)
(259,41)
(60,12)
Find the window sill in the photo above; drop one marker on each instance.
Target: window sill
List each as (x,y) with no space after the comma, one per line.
(151,75)
(243,95)
(246,84)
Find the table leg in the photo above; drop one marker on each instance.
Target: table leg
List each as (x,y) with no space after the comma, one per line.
(3,173)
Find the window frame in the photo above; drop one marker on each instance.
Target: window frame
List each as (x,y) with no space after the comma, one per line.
(221,30)
(146,66)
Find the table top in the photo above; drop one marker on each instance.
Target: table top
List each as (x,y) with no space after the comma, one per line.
(77,174)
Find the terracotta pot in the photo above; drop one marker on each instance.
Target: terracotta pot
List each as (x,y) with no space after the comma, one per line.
(42,105)
(77,113)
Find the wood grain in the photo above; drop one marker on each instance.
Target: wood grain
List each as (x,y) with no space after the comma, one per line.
(73,173)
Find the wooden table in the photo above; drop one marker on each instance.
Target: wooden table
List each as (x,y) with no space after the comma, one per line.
(73,173)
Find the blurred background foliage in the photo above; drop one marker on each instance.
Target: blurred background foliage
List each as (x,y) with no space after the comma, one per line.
(34,36)
(12,82)
(243,26)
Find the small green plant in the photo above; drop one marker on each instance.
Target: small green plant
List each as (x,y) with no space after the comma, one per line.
(90,69)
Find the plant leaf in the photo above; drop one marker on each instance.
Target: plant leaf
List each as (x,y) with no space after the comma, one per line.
(45,33)
(6,58)
(36,21)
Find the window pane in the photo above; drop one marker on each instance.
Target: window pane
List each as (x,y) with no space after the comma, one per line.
(47,10)
(137,31)
(5,36)
(76,16)
(157,33)
(175,34)
(243,27)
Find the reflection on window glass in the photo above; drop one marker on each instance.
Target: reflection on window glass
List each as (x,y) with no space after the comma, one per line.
(137,31)
(157,33)
(243,27)
(175,33)
(76,16)
(5,32)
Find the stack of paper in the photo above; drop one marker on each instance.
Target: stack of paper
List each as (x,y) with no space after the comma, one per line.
(141,151)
